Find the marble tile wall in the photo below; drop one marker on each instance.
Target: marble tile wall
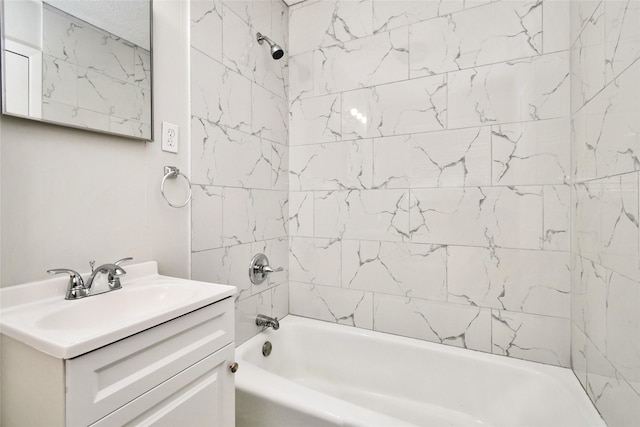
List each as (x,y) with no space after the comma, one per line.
(239,152)
(605,142)
(429,171)
(92,78)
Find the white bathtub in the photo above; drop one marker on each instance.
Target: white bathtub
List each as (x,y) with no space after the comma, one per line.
(323,374)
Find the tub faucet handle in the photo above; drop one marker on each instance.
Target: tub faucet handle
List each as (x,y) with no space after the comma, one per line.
(259,269)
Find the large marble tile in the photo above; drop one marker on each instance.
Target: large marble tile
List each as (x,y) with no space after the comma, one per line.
(522,90)
(246,312)
(615,399)
(280,300)
(129,127)
(556,32)
(301,213)
(579,355)
(300,77)
(326,23)
(586,221)
(254,13)
(411,106)
(226,157)
(556,217)
(270,74)
(531,337)
(279,166)
(239,41)
(270,115)
(509,217)
(206,218)
(536,282)
(618,249)
(250,215)
(75,116)
(206,27)
(455,158)
(622,35)
(331,166)
(399,13)
(73,40)
(219,95)
(228,266)
(497,32)
(606,130)
(531,153)
(241,51)
(59,81)
(588,71)
(316,261)
(403,269)
(362,214)
(105,94)
(315,120)
(452,324)
(622,326)
(344,306)
(579,273)
(582,14)
(378,59)
(595,280)
(142,76)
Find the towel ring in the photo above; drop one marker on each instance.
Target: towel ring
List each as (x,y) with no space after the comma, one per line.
(172,172)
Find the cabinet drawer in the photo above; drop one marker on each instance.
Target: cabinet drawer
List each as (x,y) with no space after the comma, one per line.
(103,380)
(202,395)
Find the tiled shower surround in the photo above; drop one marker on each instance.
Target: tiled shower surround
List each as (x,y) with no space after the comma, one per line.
(605,102)
(239,122)
(429,186)
(429,168)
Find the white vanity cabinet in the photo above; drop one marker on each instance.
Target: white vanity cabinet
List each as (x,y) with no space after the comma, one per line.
(176,373)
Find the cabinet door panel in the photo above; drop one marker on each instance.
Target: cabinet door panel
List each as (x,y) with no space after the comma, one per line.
(202,395)
(104,380)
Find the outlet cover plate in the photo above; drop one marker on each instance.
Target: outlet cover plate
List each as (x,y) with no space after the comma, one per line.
(170,137)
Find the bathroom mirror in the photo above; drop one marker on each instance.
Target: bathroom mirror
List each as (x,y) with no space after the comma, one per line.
(79,63)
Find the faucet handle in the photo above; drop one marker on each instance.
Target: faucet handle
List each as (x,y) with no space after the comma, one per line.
(120,261)
(76,288)
(74,276)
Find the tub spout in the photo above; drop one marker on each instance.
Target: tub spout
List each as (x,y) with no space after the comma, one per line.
(267,322)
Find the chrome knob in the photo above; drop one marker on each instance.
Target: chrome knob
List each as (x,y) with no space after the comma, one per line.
(260,269)
(233,367)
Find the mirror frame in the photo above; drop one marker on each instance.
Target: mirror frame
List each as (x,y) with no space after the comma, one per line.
(3,83)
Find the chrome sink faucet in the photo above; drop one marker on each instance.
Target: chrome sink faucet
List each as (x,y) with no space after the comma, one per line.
(78,288)
(267,322)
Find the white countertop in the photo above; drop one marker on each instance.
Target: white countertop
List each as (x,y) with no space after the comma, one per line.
(38,315)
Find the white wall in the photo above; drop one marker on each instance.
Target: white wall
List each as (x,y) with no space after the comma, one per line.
(70,196)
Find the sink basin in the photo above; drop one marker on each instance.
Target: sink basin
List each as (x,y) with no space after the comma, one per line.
(38,315)
(122,306)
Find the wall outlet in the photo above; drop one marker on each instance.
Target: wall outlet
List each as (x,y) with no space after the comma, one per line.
(169,137)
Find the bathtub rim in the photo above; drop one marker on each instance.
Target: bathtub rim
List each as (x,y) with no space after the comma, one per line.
(565,377)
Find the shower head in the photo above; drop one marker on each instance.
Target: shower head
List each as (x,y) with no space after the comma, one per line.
(276,51)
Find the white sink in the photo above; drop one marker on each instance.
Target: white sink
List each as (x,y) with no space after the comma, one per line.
(38,315)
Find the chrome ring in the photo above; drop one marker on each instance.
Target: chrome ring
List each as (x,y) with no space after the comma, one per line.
(172,172)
